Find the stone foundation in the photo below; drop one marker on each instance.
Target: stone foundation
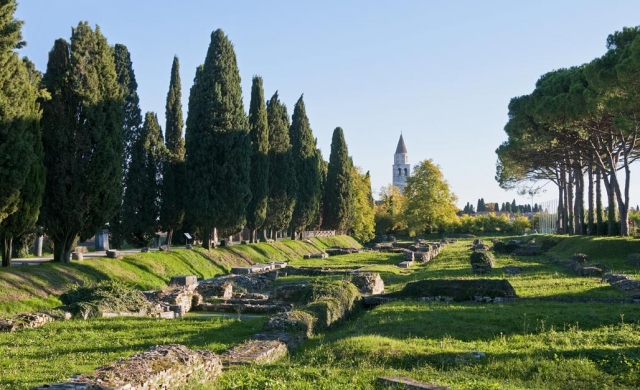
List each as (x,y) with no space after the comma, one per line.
(161,367)
(25,321)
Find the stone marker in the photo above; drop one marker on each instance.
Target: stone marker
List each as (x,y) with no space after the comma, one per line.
(409,384)
(405,264)
(183,280)
(77,256)
(112,254)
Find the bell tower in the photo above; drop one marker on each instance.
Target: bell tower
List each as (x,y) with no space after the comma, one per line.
(401,167)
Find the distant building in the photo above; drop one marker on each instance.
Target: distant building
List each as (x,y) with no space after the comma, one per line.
(401,167)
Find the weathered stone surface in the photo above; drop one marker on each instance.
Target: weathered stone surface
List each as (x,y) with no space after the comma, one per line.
(409,256)
(25,321)
(405,264)
(216,289)
(316,256)
(184,280)
(241,270)
(254,351)
(163,248)
(160,367)
(581,258)
(409,384)
(81,249)
(145,249)
(177,299)
(290,292)
(77,256)
(368,282)
(113,254)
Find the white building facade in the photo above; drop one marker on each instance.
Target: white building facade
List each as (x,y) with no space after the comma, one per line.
(401,167)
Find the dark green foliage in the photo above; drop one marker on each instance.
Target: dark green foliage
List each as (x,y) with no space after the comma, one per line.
(307,170)
(82,138)
(548,244)
(172,203)
(218,147)
(17,115)
(141,206)
(105,297)
(338,191)
(259,132)
(131,126)
(282,180)
(459,289)
(30,199)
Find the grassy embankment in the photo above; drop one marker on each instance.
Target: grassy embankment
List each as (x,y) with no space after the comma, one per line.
(529,344)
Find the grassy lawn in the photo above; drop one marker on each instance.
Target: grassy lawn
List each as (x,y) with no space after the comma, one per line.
(54,352)
(533,343)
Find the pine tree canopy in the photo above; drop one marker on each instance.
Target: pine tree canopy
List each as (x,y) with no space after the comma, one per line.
(338,196)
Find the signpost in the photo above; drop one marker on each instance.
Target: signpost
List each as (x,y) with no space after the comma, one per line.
(188,236)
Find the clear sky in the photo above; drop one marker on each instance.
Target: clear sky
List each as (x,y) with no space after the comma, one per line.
(440,72)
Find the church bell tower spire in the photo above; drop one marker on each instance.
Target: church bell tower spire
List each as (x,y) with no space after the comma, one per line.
(401,167)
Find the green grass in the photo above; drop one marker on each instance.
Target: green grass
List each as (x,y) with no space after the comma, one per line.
(31,288)
(532,343)
(526,345)
(53,353)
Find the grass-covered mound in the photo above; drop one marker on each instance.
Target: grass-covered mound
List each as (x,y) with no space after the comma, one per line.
(30,288)
(459,289)
(106,296)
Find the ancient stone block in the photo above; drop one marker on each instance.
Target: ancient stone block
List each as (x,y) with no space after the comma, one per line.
(77,256)
(368,282)
(409,384)
(183,280)
(241,270)
(81,249)
(405,264)
(113,254)
(255,351)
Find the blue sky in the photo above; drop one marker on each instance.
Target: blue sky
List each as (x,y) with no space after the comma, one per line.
(440,72)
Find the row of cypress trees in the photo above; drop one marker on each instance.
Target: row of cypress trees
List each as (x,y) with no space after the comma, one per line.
(105,161)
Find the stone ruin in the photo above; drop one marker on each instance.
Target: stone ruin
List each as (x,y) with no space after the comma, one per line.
(25,321)
(420,250)
(369,283)
(160,367)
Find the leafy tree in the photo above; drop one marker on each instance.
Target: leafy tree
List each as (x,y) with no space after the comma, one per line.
(30,200)
(218,148)
(82,139)
(17,114)
(520,224)
(131,126)
(282,179)
(259,132)
(363,224)
(430,204)
(389,212)
(141,206)
(172,189)
(307,170)
(338,192)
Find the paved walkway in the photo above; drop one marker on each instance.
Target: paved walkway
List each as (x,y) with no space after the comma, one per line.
(18,262)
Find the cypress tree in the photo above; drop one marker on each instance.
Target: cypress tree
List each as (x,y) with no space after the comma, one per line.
(307,170)
(338,196)
(141,206)
(282,180)
(82,139)
(30,200)
(172,207)
(218,147)
(16,112)
(131,126)
(259,132)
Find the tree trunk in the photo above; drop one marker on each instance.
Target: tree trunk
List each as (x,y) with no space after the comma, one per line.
(169,238)
(578,207)
(611,210)
(7,243)
(206,239)
(559,223)
(590,228)
(62,249)
(599,221)
(569,202)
